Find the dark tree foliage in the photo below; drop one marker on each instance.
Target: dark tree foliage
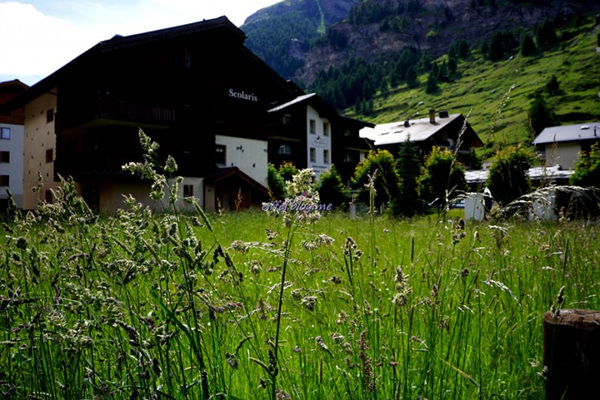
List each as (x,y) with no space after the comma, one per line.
(342,88)
(387,183)
(508,177)
(365,13)
(441,176)
(546,33)
(501,43)
(275,182)
(587,169)
(459,49)
(275,49)
(432,82)
(527,46)
(553,87)
(411,77)
(452,66)
(331,189)
(409,169)
(541,115)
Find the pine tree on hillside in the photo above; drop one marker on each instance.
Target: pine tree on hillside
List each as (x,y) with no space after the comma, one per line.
(527,46)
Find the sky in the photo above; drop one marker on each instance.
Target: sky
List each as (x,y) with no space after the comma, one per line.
(38,37)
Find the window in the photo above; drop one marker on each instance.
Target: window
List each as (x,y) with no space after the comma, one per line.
(285,149)
(348,157)
(48,196)
(4,180)
(49,155)
(313,155)
(287,118)
(50,115)
(325,128)
(188,190)
(326,156)
(4,156)
(313,127)
(5,133)
(220,154)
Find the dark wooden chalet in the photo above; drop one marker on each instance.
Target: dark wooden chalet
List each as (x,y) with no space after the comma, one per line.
(182,86)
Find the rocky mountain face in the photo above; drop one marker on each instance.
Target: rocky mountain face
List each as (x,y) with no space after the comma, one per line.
(378,30)
(283,33)
(333,10)
(433,28)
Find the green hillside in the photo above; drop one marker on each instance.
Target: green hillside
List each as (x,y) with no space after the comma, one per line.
(497,95)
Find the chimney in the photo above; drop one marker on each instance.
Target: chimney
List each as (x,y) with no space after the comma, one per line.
(432,116)
(444,114)
(406,124)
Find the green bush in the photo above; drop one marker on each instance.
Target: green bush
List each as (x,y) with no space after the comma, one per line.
(442,175)
(587,169)
(387,181)
(331,189)
(508,178)
(276,182)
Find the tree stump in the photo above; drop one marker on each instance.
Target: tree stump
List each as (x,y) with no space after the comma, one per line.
(572,354)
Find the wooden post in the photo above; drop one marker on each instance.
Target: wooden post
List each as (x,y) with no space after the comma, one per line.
(572,354)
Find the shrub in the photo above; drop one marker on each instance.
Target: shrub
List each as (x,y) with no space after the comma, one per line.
(387,182)
(331,189)
(587,169)
(508,178)
(287,170)
(275,182)
(441,176)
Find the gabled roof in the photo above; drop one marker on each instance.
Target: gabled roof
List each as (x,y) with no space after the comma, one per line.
(222,174)
(117,42)
(398,132)
(569,133)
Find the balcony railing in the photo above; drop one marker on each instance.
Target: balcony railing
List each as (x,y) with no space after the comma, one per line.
(95,107)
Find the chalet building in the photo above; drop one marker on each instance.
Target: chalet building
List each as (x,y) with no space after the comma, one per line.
(194,89)
(310,134)
(426,133)
(562,145)
(11,145)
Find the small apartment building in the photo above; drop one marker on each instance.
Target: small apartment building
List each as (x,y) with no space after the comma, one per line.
(11,146)
(562,145)
(40,150)
(310,134)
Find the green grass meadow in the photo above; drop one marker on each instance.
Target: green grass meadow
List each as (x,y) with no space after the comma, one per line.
(143,305)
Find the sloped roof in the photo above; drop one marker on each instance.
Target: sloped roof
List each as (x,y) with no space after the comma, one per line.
(535,173)
(569,133)
(222,174)
(293,102)
(117,42)
(398,132)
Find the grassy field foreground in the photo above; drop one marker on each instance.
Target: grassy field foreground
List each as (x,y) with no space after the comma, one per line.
(182,306)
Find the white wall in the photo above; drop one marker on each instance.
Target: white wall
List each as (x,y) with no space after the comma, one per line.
(563,154)
(14,168)
(317,141)
(249,155)
(112,194)
(39,137)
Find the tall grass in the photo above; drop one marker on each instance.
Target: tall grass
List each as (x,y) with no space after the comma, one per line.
(150,306)
(253,305)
